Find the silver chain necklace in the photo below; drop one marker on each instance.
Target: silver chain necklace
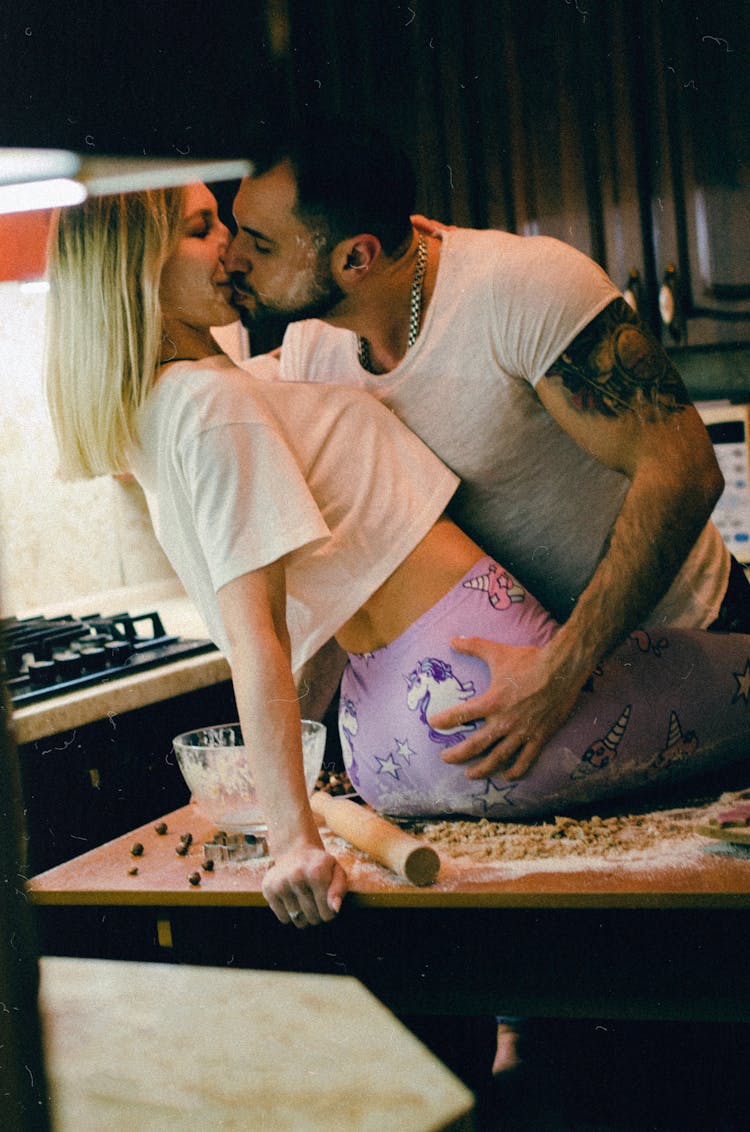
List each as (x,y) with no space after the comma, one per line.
(415,308)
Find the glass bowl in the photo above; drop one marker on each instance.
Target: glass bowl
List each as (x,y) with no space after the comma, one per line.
(214,764)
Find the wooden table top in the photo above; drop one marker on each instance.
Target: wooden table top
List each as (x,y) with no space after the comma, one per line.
(104,876)
(135,1046)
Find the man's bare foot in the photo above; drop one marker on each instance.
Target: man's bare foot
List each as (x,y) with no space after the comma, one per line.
(506,1051)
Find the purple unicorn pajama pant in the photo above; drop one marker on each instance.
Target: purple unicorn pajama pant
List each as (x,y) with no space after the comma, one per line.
(668,702)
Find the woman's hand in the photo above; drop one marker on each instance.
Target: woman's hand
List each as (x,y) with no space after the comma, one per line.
(305,886)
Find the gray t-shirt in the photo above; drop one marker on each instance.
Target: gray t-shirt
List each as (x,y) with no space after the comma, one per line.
(503,310)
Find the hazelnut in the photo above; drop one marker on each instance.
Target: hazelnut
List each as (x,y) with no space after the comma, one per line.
(208,865)
(133,872)
(194,878)
(186,838)
(161,828)
(182,849)
(136,849)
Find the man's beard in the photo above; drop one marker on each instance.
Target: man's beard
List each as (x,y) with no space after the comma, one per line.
(320,298)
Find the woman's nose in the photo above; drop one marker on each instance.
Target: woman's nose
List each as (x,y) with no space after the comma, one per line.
(228,256)
(225,239)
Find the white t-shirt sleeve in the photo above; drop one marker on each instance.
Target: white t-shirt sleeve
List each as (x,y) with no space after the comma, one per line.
(251,504)
(544,302)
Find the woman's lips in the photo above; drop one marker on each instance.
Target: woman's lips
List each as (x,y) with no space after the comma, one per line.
(226,288)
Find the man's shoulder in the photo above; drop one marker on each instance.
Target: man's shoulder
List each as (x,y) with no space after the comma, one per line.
(529,248)
(526,271)
(484,239)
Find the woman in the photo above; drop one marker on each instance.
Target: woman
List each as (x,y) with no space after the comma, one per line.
(294,513)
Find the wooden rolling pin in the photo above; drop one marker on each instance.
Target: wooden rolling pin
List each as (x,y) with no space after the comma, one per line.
(390,846)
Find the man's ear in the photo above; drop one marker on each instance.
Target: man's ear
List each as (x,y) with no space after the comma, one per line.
(353,259)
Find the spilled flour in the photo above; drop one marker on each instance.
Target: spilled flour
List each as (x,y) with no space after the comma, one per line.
(569,842)
(486,851)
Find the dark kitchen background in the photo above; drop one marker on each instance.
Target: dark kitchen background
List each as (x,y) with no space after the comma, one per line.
(621,127)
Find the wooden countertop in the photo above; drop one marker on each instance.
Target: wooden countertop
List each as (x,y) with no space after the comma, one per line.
(101,877)
(137,1046)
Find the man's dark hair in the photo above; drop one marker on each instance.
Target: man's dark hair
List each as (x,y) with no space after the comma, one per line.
(350,178)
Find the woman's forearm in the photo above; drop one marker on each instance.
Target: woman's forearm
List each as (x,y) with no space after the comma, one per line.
(270,719)
(253,609)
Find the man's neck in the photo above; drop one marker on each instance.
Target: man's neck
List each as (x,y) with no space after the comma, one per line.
(380,313)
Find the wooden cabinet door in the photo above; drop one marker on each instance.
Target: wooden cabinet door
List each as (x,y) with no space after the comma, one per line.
(698,83)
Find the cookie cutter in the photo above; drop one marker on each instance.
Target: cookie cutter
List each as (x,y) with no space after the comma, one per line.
(228,847)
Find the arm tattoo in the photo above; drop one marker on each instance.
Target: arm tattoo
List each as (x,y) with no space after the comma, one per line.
(615,364)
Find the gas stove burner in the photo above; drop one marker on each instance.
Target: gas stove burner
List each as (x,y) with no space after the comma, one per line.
(45,657)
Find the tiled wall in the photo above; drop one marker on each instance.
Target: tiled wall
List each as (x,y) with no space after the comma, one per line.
(58,541)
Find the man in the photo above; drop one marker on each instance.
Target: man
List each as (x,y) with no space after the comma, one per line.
(584,467)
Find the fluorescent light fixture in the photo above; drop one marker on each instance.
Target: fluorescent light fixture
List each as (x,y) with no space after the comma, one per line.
(36,164)
(25,196)
(103,175)
(38,178)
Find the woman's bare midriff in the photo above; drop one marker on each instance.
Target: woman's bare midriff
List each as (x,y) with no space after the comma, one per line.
(433,568)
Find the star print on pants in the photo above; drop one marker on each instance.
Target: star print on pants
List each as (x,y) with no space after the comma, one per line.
(495,794)
(387,766)
(743,684)
(403,749)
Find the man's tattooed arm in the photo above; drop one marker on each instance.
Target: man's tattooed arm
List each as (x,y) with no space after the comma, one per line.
(615,364)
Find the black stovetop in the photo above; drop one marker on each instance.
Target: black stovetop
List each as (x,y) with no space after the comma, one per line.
(45,657)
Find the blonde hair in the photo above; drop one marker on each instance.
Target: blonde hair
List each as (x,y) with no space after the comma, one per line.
(104,323)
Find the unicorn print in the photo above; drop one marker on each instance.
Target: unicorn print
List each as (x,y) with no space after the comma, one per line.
(432,686)
(602,751)
(646,643)
(348,728)
(500,588)
(679,746)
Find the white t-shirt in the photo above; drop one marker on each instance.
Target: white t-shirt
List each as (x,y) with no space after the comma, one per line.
(503,310)
(240,471)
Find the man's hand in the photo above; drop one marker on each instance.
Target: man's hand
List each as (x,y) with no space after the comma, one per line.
(525,704)
(305,886)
